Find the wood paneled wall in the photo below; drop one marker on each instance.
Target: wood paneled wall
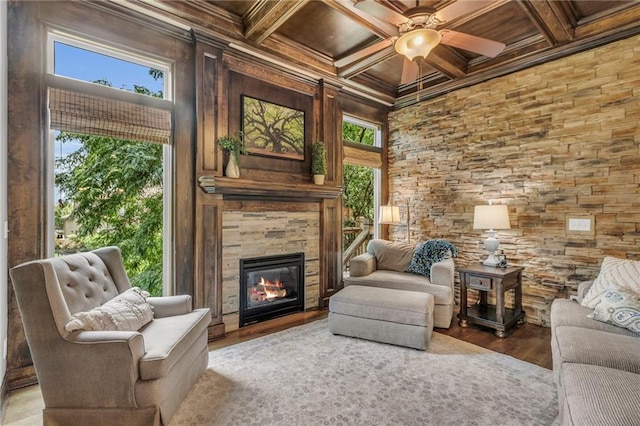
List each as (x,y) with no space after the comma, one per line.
(29,165)
(207,77)
(552,141)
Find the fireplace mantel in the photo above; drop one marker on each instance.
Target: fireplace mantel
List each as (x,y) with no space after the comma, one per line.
(251,188)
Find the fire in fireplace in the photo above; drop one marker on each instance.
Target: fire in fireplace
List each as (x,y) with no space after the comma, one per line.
(270,287)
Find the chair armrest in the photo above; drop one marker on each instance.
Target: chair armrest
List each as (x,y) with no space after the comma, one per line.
(583,288)
(169,306)
(362,265)
(110,358)
(442,273)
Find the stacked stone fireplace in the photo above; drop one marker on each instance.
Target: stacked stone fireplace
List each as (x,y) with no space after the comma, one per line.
(254,235)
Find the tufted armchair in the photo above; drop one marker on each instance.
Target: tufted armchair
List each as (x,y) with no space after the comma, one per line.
(106,377)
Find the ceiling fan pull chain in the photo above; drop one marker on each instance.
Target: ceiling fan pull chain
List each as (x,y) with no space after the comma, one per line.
(419,81)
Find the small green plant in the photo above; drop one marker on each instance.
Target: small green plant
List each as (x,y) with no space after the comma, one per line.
(234,145)
(319,159)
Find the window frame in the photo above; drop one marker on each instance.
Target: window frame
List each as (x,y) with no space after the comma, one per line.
(56,36)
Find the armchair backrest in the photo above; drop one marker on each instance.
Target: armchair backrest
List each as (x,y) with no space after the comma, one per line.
(70,284)
(392,256)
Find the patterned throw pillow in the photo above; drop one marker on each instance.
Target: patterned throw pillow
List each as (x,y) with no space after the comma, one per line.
(614,273)
(619,306)
(128,311)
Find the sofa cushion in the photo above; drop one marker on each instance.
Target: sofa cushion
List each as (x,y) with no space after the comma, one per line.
(128,311)
(568,312)
(584,346)
(619,307)
(596,396)
(614,273)
(167,340)
(391,256)
(442,295)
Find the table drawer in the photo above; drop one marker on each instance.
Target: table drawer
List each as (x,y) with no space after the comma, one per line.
(480,283)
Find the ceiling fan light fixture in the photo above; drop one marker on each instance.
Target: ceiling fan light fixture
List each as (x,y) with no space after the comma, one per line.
(417,43)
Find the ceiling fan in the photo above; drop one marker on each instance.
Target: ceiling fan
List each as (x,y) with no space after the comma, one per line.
(417,33)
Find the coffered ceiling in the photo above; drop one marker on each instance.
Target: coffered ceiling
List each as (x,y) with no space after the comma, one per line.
(331,39)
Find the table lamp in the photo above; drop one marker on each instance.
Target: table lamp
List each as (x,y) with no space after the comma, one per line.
(491,217)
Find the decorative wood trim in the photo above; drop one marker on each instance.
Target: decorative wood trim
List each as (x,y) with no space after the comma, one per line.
(26,167)
(261,206)
(211,284)
(207,66)
(331,254)
(243,188)
(553,23)
(330,130)
(265,17)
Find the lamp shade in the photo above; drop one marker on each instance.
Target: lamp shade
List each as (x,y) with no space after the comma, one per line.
(417,43)
(389,214)
(491,217)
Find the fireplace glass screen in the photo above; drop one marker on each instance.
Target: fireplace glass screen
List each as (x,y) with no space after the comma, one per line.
(271,286)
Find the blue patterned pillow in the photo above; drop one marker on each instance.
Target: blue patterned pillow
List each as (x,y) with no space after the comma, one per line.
(428,253)
(619,306)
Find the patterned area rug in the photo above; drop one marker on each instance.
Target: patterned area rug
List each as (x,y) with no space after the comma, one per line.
(307,376)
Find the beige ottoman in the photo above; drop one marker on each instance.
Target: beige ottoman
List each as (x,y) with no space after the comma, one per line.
(399,317)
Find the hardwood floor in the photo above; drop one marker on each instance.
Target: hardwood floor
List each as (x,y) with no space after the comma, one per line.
(527,342)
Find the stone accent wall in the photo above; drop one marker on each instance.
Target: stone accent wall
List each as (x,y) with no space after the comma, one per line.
(248,234)
(554,140)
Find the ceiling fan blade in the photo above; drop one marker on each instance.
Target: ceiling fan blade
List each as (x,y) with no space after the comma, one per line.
(409,71)
(376,9)
(459,8)
(471,43)
(366,52)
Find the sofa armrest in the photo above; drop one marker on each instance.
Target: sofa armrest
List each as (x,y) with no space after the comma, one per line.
(362,265)
(442,273)
(583,288)
(169,306)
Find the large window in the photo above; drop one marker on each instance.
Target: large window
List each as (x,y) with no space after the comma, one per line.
(362,161)
(110,120)
(361,174)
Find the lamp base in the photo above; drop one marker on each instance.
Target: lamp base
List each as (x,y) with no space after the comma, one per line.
(491,244)
(492,260)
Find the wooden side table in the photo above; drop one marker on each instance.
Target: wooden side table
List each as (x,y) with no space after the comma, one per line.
(485,279)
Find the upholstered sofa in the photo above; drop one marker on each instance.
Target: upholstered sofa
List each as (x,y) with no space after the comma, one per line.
(102,374)
(385,264)
(596,366)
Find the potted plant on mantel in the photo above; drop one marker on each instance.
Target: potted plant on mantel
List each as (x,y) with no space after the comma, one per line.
(234,145)
(318,162)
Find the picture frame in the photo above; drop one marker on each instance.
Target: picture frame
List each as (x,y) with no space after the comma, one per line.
(273,130)
(580,224)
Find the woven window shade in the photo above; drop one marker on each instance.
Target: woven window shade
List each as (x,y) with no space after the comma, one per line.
(361,155)
(86,108)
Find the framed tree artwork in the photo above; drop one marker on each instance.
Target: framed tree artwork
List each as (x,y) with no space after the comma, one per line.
(273,130)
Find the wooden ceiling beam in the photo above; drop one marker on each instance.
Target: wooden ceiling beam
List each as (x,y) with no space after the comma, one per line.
(266,16)
(551,20)
(347,8)
(447,61)
(355,68)
(627,16)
